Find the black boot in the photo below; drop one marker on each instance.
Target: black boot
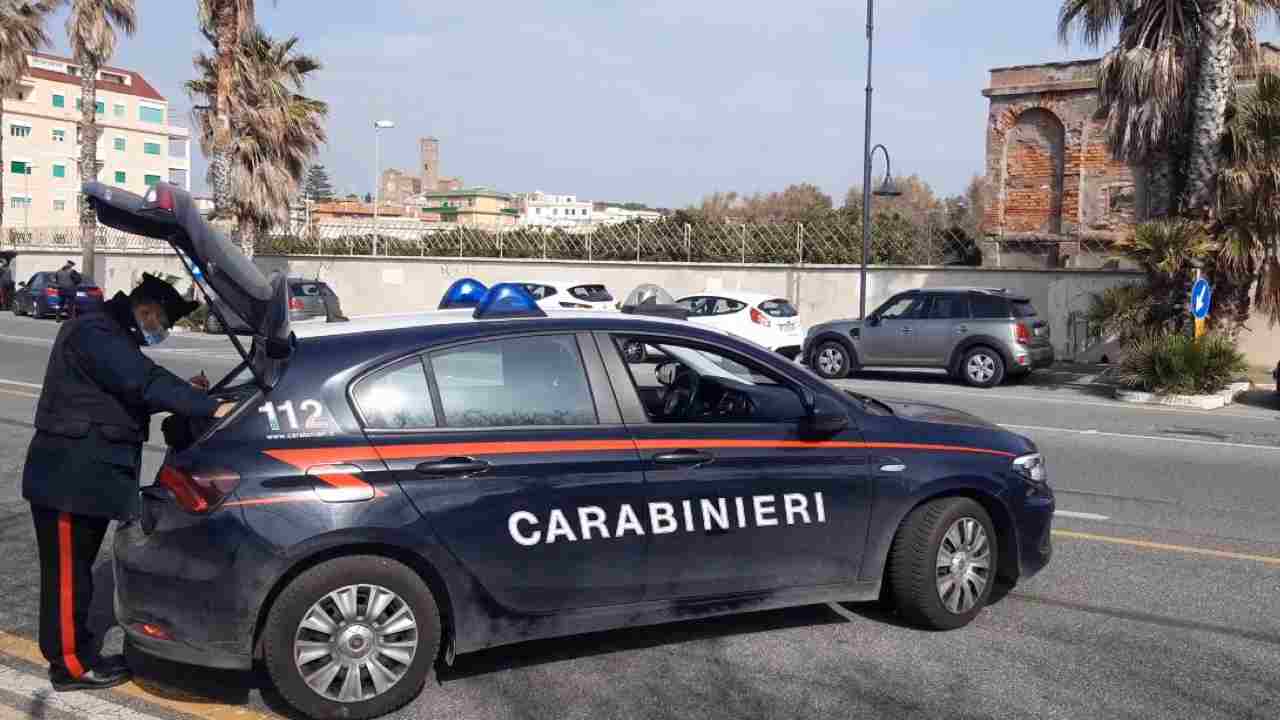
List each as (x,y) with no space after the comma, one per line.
(109,672)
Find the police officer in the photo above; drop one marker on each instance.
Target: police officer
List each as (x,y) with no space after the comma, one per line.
(68,280)
(82,467)
(6,284)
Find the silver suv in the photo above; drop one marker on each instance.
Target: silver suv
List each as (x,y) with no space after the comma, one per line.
(980,335)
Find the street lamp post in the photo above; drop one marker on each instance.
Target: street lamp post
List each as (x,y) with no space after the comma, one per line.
(377,164)
(886,190)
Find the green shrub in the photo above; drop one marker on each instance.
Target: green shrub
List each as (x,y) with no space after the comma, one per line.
(1124,311)
(1177,364)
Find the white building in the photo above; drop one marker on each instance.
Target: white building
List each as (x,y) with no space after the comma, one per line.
(539,208)
(616,215)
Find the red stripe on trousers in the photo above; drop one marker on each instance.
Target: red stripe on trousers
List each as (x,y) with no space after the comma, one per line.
(66,597)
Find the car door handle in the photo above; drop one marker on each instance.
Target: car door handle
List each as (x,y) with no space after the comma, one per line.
(890,465)
(454,466)
(683,457)
(906,331)
(962,329)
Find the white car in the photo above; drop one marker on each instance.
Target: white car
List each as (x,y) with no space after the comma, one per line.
(571,295)
(766,320)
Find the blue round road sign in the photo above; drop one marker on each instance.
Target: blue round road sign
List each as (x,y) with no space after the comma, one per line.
(1201,297)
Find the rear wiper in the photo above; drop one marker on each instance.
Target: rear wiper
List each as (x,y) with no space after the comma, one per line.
(868,401)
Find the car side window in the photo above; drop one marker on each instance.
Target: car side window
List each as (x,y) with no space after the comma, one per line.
(729,387)
(948,307)
(397,398)
(907,307)
(989,307)
(512,382)
(725,306)
(540,292)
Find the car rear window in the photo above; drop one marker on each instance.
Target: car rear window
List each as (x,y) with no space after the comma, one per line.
(778,308)
(989,307)
(305,289)
(591,293)
(1023,309)
(396,399)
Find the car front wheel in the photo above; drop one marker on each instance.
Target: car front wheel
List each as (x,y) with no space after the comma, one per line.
(354,637)
(942,565)
(982,367)
(831,361)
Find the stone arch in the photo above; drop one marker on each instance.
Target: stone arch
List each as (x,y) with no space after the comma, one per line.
(1034,162)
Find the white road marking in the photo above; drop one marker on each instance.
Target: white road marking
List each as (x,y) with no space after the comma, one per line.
(871,386)
(1126,436)
(33,386)
(1081,515)
(79,704)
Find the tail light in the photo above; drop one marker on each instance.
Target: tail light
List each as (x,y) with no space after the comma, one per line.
(198,492)
(95,292)
(760,318)
(295,304)
(1023,334)
(51,292)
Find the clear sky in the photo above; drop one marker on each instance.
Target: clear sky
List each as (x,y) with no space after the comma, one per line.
(656,101)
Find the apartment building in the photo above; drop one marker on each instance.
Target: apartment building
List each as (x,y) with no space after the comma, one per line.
(539,208)
(140,143)
(473,207)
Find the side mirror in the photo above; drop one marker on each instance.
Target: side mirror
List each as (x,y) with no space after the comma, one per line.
(874,321)
(666,373)
(21,285)
(822,419)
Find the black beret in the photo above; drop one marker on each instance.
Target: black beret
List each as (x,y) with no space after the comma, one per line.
(155,290)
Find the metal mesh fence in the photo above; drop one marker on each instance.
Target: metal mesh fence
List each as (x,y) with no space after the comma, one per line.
(835,241)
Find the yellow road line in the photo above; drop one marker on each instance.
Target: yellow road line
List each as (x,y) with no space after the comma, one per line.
(1269,560)
(6,391)
(153,694)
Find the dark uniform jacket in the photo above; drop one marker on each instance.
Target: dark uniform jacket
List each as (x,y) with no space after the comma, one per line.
(94,414)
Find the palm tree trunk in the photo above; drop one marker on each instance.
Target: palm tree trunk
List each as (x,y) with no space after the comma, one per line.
(226,28)
(1213,88)
(88,163)
(1159,187)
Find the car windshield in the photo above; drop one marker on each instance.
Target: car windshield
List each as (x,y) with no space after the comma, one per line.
(591,293)
(778,308)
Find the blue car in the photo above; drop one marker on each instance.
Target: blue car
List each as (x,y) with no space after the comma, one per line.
(39,297)
(390,493)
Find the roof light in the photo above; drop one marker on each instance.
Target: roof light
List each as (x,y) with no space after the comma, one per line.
(507,300)
(465,293)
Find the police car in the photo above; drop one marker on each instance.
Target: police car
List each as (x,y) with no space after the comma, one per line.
(389,494)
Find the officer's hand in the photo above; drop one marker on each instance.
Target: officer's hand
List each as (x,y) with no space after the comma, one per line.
(200,381)
(224,410)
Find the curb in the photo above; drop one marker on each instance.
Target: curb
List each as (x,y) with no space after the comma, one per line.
(1199,402)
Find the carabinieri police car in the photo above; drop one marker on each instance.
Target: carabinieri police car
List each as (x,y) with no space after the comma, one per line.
(391,493)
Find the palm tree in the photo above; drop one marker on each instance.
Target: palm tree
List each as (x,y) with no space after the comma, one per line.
(21,33)
(274,130)
(1249,192)
(91,28)
(1165,83)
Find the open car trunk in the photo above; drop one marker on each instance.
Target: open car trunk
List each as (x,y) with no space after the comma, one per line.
(215,264)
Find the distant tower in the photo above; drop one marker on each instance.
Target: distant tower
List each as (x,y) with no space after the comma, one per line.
(429,149)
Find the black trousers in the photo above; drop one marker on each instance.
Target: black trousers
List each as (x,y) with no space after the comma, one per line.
(68,546)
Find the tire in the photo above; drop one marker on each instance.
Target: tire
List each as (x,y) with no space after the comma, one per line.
(831,360)
(916,587)
(982,367)
(310,596)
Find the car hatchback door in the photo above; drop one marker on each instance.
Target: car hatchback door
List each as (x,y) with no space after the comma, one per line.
(520,472)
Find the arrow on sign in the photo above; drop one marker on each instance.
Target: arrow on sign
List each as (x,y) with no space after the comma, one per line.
(1200,297)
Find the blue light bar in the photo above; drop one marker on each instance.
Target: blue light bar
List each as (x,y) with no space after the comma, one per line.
(507,300)
(465,293)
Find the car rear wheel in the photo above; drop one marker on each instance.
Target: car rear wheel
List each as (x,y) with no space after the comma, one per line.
(982,367)
(831,361)
(354,637)
(942,565)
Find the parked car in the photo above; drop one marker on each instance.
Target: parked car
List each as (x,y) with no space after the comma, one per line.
(308,300)
(767,320)
(571,295)
(39,297)
(979,335)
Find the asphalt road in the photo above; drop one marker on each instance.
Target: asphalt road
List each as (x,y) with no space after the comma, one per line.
(1163,598)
